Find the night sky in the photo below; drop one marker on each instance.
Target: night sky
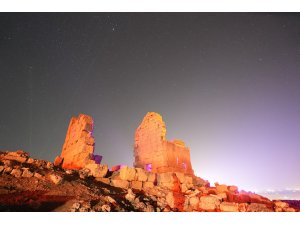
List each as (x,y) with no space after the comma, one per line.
(228,84)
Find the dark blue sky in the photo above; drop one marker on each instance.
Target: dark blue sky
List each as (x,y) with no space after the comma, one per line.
(225,83)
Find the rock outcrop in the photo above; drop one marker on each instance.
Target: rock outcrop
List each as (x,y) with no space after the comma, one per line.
(28,184)
(78,149)
(153,152)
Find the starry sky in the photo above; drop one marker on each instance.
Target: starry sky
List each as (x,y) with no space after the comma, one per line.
(228,84)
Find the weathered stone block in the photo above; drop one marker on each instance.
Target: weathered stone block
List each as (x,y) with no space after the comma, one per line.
(209,203)
(1,168)
(233,188)
(16,173)
(151,177)
(165,178)
(147,185)
(37,175)
(280,204)
(56,179)
(229,207)
(167,185)
(97,170)
(127,173)
(194,202)
(141,175)
(221,188)
(188,180)
(27,173)
(136,185)
(120,183)
(257,207)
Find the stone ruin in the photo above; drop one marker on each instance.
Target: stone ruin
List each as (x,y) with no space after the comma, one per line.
(78,149)
(154,153)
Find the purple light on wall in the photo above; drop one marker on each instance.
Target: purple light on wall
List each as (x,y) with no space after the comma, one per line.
(184,165)
(148,167)
(97,158)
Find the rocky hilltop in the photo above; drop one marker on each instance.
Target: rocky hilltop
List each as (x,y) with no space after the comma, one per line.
(28,184)
(159,182)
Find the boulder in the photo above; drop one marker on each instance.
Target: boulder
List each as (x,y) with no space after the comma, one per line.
(37,175)
(16,173)
(233,188)
(141,175)
(243,207)
(30,160)
(19,156)
(282,205)
(120,183)
(56,179)
(127,173)
(222,196)
(229,207)
(130,196)
(7,169)
(136,185)
(221,188)
(27,173)
(97,170)
(103,180)
(194,202)
(289,209)
(257,207)
(209,203)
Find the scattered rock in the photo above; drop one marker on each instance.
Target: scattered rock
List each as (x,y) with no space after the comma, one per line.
(27,172)
(56,179)
(130,196)
(30,160)
(229,207)
(37,175)
(221,188)
(120,183)
(282,205)
(105,208)
(243,207)
(84,173)
(233,188)
(16,173)
(209,203)
(257,207)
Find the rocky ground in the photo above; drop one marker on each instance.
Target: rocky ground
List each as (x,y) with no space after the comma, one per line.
(28,184)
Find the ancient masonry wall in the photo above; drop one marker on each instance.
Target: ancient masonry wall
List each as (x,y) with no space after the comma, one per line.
(153,152)
(79,144)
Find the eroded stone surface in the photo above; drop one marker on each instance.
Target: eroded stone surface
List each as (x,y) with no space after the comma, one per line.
(79,144)
(154,153)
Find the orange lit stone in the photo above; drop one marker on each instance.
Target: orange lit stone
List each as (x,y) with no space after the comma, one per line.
(154,153)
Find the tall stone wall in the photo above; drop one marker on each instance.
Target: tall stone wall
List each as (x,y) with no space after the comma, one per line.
(79,144)
(154,153)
